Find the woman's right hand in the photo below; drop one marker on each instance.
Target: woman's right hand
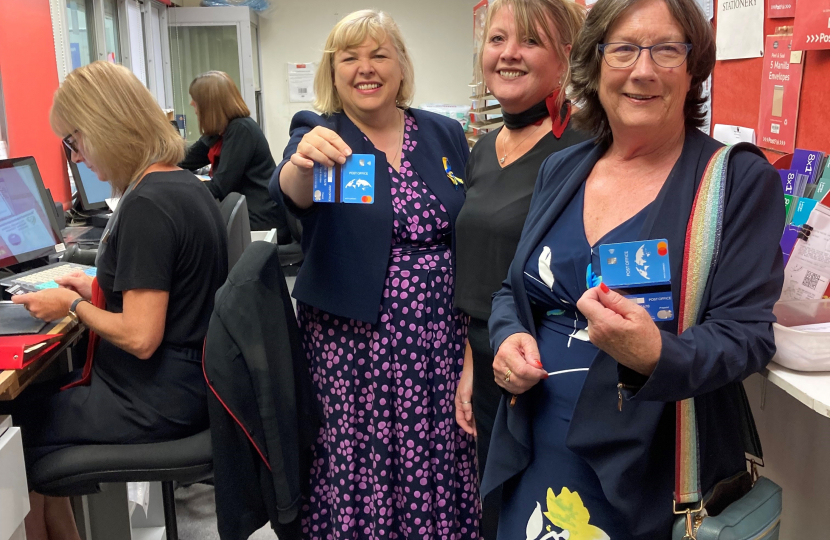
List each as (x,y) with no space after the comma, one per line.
(77,281)
(320,145)
(517,366)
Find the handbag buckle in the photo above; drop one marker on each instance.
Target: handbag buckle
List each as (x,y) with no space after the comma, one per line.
(753,468)
(692,520)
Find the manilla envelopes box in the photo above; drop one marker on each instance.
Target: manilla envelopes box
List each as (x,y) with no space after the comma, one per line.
(780,95)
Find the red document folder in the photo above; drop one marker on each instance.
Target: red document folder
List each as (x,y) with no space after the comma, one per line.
(18,351)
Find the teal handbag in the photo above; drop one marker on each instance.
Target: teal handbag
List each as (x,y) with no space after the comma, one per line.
(743,507)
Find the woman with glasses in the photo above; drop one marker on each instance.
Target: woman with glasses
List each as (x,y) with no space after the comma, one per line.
(161,259)
(584,439)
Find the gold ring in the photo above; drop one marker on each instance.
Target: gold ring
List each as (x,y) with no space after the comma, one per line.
(507,375)
(466,402)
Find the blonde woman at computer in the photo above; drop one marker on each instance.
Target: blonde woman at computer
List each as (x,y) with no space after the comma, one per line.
(161,259)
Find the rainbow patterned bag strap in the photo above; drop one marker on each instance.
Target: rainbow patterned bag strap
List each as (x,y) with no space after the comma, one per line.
(703,239)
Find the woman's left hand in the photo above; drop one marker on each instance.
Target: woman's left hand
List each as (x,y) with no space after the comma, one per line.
(48,305)
(621,328)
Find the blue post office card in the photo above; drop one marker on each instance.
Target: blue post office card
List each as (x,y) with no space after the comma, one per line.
(658,304)
(629,264)
(358,179)
(323,190)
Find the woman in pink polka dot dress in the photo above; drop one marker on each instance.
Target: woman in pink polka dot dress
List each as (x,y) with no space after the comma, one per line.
(375,303)
(391,444)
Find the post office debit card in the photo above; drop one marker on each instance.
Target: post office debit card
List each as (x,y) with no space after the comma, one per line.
(658,304)
(324,187)
(358,179)
(627,264)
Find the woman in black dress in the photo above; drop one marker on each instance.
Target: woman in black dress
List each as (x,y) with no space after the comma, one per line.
(237,151)
(162,257)
(524,61)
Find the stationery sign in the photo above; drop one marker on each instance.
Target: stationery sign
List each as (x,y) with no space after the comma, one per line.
(740,32)
(780,9)
(812,25)
(780,94)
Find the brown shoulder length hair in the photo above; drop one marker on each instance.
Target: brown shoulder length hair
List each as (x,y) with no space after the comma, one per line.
(218,101)
(586,61)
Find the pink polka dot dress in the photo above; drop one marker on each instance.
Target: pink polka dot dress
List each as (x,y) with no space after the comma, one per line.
(391,462)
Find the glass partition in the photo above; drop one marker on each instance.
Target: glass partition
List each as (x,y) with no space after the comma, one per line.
(81,31)
(194,50)
(111,33)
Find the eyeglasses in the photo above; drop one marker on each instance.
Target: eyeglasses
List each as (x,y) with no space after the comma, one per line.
(623,55)
(70,142)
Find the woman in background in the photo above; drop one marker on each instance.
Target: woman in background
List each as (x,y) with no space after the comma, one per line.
(236,149)
(524,61)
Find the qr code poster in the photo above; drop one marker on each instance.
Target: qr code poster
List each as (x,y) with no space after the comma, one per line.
(301,82)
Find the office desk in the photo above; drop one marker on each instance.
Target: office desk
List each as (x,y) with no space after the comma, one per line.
(14,381)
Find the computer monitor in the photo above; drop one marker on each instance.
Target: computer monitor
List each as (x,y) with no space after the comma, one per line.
(28,228)
(92,192)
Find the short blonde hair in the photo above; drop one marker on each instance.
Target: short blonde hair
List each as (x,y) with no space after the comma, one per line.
(566,15)
(218,101)
(350,32)
(124,130)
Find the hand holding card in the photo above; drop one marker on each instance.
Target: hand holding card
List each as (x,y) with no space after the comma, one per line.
(621,328)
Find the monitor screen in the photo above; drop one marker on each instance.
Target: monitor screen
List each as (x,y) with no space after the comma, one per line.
(28,229)
(92,192)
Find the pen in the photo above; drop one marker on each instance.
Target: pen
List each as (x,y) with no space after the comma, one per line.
(550,373)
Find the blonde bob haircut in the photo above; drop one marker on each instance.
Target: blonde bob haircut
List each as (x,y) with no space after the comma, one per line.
(124,130)
(559,20)
(218,101)
(351,32)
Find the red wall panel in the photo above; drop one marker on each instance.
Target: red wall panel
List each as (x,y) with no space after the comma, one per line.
(736,95)
(30,78)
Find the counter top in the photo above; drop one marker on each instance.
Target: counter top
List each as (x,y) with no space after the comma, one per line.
(812,388)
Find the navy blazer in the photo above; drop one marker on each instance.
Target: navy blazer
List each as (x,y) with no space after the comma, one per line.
(347,246)
(632,450)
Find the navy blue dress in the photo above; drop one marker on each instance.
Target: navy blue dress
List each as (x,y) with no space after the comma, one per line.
(559,491)
(390,462)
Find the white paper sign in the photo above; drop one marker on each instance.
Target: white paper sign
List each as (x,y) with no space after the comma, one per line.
(301,82)
(733,134)
(740,29)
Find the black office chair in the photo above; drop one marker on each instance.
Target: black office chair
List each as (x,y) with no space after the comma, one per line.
(234,209)
(291,255)
(80,470)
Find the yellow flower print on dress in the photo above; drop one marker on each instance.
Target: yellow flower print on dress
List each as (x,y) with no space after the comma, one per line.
(566,512)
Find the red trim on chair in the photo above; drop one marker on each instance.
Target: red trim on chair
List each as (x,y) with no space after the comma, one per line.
(235,419)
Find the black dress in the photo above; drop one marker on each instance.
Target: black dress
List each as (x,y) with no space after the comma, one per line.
(488,231)
(245,166)
(170,237)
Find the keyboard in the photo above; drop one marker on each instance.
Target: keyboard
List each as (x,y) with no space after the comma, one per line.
(44,278)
